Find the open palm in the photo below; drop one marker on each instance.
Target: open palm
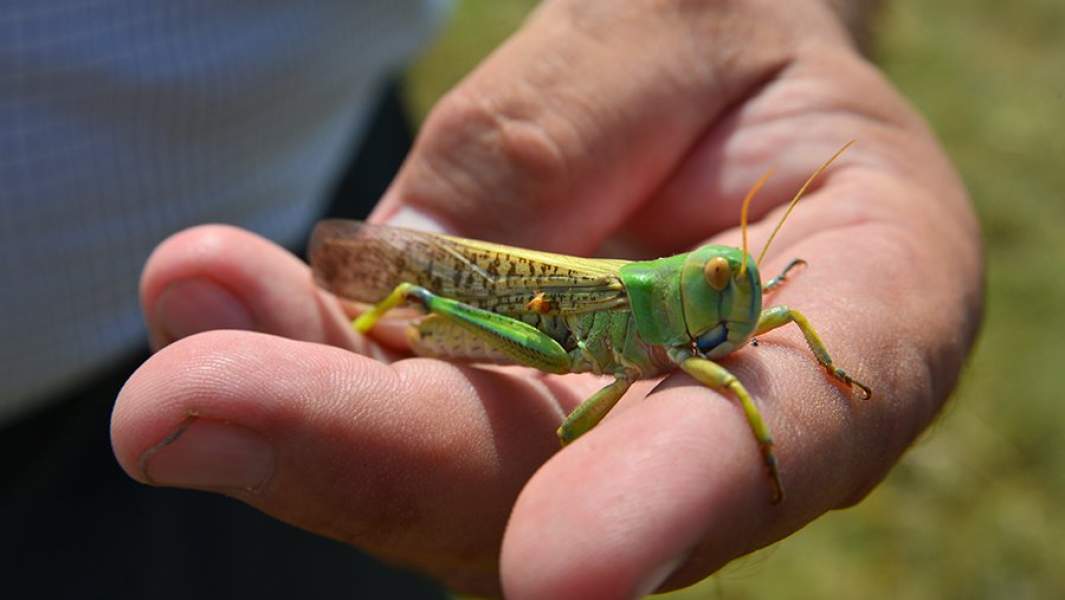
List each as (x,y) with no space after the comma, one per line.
(551,144)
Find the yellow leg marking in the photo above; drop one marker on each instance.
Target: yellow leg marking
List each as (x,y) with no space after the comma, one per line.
(717,377)
(778,316)
(368,319)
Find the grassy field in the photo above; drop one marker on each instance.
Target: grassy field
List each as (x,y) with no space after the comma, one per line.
(977,508)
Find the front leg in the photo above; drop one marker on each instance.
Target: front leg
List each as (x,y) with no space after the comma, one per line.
(717,377)
(777,316)
(779,280)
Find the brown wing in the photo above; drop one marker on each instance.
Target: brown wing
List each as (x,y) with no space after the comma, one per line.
(364,262)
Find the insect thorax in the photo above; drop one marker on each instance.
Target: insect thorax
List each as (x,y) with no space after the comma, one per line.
(606,343)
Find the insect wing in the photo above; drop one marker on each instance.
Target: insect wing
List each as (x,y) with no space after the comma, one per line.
(365,262)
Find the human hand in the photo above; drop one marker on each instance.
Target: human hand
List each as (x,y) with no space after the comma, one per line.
(631,128)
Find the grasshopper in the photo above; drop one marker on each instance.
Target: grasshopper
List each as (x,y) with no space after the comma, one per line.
(632,320)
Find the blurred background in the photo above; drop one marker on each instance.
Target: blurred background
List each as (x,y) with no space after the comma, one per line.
(977,508)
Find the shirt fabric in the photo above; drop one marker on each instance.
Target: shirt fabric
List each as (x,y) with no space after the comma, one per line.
(123,122)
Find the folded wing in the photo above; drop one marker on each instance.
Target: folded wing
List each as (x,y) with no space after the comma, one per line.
(364,262)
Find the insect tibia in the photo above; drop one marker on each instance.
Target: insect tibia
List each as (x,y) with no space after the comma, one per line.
(404,292)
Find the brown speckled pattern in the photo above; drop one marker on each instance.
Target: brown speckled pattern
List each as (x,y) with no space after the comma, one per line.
(579,302)
(364,262)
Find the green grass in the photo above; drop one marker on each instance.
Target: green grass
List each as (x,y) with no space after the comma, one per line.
(977,508)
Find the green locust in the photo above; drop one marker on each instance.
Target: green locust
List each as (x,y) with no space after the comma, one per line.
(632,320)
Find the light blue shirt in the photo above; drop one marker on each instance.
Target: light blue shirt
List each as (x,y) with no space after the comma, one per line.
(122,122)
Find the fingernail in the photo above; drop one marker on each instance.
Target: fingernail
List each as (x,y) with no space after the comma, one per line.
(412,218)
(654,578)
(206,454)
(196,305)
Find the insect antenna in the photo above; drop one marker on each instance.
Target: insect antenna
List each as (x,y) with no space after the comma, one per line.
(743,217)
(795,200)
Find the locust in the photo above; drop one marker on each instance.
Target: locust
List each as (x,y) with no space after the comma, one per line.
(491,303)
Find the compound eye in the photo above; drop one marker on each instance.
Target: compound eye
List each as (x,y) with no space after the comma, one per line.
(717,272)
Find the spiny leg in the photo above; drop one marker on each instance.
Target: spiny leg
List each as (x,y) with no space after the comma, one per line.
(717,377)
(777,281)
(777,316)
(521,342)
(588,413)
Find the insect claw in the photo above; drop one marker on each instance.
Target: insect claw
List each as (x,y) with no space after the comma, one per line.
(841,376)
(774,476)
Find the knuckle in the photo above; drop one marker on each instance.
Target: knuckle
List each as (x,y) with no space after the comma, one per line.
(494,161)
(452,144)
(509,132)
(532,148)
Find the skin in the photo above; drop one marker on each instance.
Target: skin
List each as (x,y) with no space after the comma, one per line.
(630,129)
